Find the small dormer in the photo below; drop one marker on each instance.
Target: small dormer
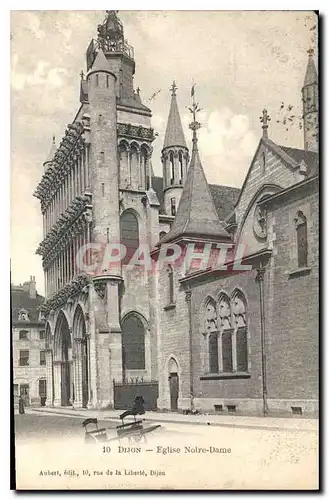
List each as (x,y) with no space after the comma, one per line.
(23,315)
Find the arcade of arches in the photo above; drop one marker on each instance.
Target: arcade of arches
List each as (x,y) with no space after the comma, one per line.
(70,367)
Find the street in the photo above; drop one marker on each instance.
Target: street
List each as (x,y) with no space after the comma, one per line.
(37,426)
(221,457)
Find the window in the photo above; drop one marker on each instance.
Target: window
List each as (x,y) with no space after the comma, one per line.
(42,335)
(225,349)
(42,388)
(103,189)
(172,167)
(162,234)
(24,392)
(213,353)
(181,169)
(170,285)
(129,234)
(133,343)
(23,335)
(173,206)
(42,357)
(24,358)
(97,80)
(107,80)
(301,230)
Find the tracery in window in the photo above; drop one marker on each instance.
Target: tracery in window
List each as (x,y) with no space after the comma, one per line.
(225,334)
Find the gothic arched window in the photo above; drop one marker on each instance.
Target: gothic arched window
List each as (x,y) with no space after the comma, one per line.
(224,309)
(225,333)
(129,234)
(181,168)
(133,343)
(240,325)
(301,230)
(143,169)
(172,167)
(211,325)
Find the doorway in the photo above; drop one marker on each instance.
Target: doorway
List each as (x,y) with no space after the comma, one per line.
(43,392)
(25,394)
(174,391)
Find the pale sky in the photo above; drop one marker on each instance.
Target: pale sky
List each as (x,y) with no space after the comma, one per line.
(240,61)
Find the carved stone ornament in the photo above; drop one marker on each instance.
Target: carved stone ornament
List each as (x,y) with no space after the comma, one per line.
(260,222)
(100,288)
(224,312)
(239,312)
(211,317)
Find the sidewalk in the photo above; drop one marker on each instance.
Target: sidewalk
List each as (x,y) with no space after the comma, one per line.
(269,423)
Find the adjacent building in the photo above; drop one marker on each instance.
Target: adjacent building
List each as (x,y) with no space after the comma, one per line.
(28,344)
(221,340)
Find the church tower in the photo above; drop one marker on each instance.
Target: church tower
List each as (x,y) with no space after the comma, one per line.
(104,164)
(311,106)
(175,157)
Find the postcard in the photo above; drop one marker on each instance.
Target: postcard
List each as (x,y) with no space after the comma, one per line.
(165,193)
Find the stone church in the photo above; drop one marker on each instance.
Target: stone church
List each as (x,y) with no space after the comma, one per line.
(215,338)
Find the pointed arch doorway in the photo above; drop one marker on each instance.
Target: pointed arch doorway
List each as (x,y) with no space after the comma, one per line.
(173,384)
(81,363)
(63,358)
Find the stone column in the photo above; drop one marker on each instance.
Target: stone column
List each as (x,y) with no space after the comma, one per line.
(87,337)
(78,371)
(260,280)
(57,382)
(188,297)
(92,358)
(129,165)
(49,377)
(234,365)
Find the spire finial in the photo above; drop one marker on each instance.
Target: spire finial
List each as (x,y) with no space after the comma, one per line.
(54,138)
(310,52)
(195,125)
(82,74)
(264,119)
(173,88)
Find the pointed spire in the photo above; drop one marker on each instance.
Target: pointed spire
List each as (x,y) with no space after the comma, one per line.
(52,152)
(174,131)
(100,63)
(311,75)
(196,215)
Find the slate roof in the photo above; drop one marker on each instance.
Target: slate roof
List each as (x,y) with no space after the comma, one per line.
(20,299)
(311,75)
(196,214)
(174,132)
(311,159)
(101,63)
(133,103)
(224,197)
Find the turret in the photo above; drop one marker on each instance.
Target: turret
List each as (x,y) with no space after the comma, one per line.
(51,154)
(118,52)
(310,106)
(175,157)
(103,162)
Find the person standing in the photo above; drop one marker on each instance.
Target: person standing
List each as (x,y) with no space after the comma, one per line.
(21,409)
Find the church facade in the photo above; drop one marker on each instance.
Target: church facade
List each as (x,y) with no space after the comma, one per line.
(224,338)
